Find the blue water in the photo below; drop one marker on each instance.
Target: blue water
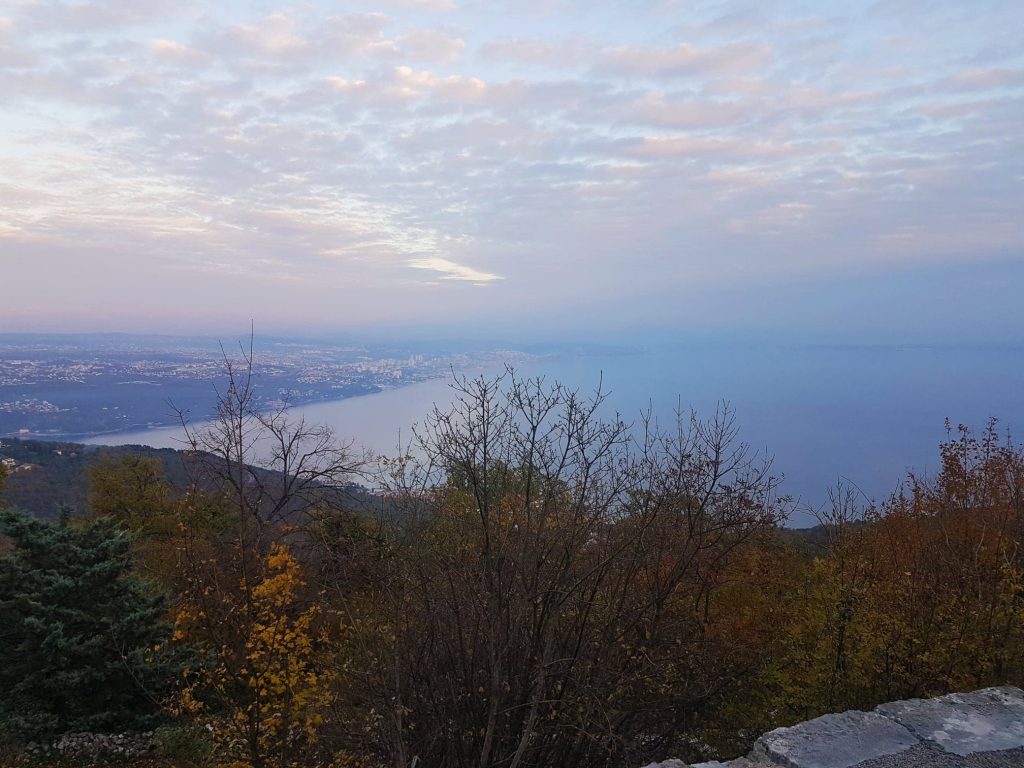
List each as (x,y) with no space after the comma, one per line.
(868,414)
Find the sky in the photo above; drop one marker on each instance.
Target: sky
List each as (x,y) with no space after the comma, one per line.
(588,169)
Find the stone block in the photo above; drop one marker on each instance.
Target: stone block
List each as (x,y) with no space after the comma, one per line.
(834,741)
(964,723)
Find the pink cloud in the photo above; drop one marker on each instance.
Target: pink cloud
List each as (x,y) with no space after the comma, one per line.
(691,146)
(984,79)
(684,59)
(559,54)
(430,45)
(673,112)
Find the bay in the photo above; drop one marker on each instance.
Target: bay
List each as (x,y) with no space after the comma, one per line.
(868,414)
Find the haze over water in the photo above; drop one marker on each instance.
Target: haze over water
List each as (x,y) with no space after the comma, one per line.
(865,413)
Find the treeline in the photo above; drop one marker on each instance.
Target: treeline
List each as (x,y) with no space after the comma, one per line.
(538,586)
(56,481)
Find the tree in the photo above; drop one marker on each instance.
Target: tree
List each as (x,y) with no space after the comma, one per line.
(268,467)
(133,491)
(918,596)
(262,683)
(552,581)
(949,563)
(130,489)
(244,602)
(82,640)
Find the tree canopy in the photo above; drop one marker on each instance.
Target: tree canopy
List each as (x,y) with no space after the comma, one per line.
(82,637)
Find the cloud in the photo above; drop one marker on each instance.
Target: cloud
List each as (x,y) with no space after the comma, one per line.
(452,271)
(974,80)
(458,88)
(633,61)
(431,45)
(703,146)
(699,144)
(682,112)
(99,16)
(684,59)
(525,51)
(343,85)
(275,36)
(292,42)
(438,6)
(175,53)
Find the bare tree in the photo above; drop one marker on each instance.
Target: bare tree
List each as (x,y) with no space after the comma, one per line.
(553,573)
(270,465)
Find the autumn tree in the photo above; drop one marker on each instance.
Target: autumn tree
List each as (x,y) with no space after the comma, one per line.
(948,598)
(131,489)
(134,491)
(554,579)
(244,601)
(917,596)
(260,682)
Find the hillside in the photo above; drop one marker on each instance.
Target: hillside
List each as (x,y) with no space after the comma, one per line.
(47,478)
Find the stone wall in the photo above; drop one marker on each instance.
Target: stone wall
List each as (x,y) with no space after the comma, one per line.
(983,729)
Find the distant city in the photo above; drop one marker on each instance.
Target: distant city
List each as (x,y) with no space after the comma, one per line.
(78,386)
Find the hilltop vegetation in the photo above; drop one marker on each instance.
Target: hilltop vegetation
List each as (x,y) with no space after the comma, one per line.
(50,477)
(535,586)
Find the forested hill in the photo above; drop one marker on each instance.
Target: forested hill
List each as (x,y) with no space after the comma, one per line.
(50,478)
(47,479)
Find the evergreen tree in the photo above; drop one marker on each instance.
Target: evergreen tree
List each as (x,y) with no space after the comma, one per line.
(80,635)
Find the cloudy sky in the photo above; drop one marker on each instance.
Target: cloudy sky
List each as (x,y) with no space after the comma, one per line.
(842,167)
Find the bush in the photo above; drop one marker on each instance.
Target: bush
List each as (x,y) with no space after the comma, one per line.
(182,745)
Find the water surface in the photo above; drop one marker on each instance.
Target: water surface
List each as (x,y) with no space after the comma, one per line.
(865,413)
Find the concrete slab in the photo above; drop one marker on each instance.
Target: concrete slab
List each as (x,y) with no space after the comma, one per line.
(834,741)
(964,723)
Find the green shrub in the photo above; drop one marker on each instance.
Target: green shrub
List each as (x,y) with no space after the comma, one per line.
(185,745)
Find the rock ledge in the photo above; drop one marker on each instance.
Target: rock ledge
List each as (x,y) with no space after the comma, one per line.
(983,728)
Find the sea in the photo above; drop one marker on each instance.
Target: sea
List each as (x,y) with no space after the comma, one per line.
(865,415)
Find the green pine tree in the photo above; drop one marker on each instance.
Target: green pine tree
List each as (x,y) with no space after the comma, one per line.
(81,638)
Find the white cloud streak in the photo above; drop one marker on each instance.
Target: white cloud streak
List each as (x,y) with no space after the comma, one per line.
(449,270)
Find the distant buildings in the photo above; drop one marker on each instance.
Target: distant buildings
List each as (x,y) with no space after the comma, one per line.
(11,465)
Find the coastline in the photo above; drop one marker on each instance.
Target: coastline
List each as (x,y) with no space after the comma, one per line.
(331,412)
